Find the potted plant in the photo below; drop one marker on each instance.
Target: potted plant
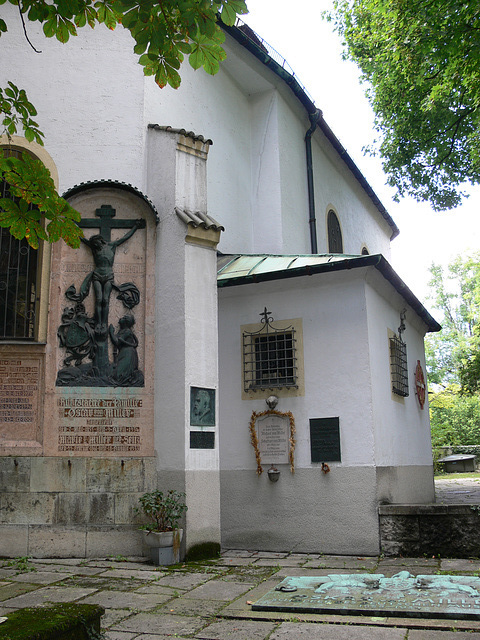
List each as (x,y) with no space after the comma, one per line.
(162,533)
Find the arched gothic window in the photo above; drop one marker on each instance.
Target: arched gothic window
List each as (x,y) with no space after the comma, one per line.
(18,279)
(335,242)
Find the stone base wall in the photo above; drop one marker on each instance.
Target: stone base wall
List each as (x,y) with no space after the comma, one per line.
(72,507)
(444,530)
(305,512)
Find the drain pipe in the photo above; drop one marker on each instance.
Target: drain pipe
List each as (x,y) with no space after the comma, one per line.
(314,118)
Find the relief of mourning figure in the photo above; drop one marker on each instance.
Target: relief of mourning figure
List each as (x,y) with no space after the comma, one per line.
(125,369)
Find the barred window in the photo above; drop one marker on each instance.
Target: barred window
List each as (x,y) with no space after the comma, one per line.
(269,356)
(18,281)
(398,366)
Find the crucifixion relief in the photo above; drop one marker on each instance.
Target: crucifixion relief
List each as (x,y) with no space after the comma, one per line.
(84,337)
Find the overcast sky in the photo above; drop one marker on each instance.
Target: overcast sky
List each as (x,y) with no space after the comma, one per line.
(298,32)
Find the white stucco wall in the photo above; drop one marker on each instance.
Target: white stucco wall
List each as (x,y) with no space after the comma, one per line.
(402,428)
(345,318)
(336,362)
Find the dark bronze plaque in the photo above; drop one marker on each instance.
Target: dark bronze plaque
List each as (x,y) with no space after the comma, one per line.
(325,439)
(202,440)
(202,407)
(403,595)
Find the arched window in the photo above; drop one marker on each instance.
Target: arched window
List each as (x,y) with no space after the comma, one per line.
(335,242)
(18,279)
(365,251)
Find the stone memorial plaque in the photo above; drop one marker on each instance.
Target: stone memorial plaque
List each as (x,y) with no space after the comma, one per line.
(403,595)
(19,389)
(273,434)
(100,425)
(325,440)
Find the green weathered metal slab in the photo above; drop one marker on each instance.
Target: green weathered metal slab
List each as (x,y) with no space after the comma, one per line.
(402,595)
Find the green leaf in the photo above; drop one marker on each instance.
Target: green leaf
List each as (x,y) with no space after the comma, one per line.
(50,27)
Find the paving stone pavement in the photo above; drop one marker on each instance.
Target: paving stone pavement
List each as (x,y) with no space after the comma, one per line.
(211,600)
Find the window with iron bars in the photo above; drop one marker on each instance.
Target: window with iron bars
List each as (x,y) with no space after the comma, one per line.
(398,366)
(18,280)
(269,357)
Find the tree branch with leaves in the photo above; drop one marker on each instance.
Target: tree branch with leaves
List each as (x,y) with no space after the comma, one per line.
(421,61)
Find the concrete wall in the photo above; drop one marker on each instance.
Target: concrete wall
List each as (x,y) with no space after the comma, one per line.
(78,507)
(442,530)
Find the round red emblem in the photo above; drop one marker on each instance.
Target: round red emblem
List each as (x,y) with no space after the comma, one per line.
(420,385)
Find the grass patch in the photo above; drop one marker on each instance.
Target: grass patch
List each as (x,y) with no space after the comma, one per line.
(474,475)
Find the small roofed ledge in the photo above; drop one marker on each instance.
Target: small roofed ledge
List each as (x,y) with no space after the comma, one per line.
(183,132)
(201,228)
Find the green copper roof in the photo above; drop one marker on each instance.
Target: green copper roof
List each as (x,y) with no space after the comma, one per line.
(238,269)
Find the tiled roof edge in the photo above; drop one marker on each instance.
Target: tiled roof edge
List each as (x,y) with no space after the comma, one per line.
(198,219)
(183,132)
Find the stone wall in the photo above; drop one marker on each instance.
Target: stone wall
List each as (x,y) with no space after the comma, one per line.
(434,530)
(72,507)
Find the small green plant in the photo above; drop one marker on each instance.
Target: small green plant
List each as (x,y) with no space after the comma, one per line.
(21,564)
(164,509)
(117,558)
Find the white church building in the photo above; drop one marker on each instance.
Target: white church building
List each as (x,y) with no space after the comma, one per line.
(246,341)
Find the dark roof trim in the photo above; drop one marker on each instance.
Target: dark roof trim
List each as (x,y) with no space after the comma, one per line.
(310,107)
(110,184)
(183,132)
(377,261)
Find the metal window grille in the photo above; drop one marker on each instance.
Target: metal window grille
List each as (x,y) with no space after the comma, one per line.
(18,282)
(269,357)
(398,366)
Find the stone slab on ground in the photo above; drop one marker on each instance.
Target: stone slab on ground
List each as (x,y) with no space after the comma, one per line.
(428,634)
(47,594)
(296,631)
(136,574)
(236,630)
(185,606)
(127,600)
(172,625)
(121,635)
(219,590)
(185,580)
(41,577)
(14,589)
(461,565)
(342,562)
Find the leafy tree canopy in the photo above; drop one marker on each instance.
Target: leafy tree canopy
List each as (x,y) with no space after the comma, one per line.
(163,32)
(422,62)
(454,418)
(456,294)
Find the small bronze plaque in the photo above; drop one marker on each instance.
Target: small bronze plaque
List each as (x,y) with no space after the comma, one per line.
(202,407)
(403,595)
(325,440)
(202,440)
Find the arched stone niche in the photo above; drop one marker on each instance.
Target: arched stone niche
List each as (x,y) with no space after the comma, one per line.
(101,332)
